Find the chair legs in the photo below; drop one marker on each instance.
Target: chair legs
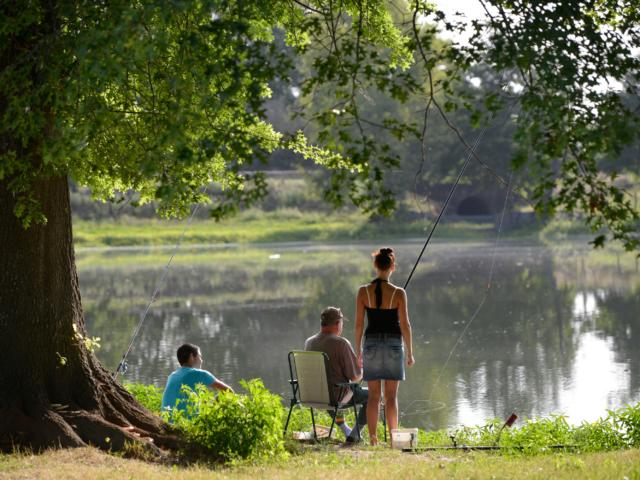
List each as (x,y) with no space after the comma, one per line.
(313,422)
(333,421)
(357,426)
(286,425)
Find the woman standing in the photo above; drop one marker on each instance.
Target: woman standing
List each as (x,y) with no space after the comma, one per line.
(382,354)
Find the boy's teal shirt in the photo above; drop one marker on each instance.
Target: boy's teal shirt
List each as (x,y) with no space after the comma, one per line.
(184,376)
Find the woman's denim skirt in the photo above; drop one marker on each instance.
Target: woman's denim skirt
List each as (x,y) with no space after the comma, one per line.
(383,357)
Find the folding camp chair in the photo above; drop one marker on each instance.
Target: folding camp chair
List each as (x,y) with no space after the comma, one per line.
(310,386)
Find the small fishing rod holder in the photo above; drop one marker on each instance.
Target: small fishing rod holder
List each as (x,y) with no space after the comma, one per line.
(508,423)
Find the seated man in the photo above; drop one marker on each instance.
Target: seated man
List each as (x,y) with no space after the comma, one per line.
(343,366)
(189,374)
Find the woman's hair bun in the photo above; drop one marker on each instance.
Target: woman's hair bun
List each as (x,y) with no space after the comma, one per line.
(384,258)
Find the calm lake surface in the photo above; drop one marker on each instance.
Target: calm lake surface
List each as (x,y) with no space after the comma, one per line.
(558,331)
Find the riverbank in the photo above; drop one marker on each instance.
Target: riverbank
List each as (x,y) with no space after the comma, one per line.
(332,462)
(289,225)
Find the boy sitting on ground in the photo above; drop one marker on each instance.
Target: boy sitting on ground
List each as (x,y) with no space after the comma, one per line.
(190,374)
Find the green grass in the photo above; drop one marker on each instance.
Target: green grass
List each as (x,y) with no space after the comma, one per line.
(329,463)
(560,229)
(248,229)
(292,225)
(285,225)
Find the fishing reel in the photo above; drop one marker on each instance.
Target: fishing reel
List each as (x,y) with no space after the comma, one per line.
(123,366)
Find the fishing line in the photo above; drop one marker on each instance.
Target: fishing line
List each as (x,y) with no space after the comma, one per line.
(439,406)
(477,310)
(471,154)
(122,366)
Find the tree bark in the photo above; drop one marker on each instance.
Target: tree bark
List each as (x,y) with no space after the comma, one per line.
(53,391)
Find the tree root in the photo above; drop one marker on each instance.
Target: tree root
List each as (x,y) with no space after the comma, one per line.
(42,430)
(96,431)
(114,405)
(131,415)
(64,427)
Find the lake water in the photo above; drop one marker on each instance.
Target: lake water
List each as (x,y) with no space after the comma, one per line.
(558,330)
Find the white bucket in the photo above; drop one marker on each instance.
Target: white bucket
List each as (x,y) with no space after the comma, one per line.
(404,438)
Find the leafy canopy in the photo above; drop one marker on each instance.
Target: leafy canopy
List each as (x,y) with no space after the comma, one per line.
(163,98)
(159,98)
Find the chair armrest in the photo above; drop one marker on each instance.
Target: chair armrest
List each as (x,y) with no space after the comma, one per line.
(349,385)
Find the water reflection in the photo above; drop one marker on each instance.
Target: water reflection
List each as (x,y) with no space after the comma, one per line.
(558,332)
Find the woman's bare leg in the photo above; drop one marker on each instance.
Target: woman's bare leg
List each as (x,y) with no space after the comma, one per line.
(373,406)
(391,402)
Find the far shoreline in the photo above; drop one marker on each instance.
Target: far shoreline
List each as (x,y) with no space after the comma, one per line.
(309,230)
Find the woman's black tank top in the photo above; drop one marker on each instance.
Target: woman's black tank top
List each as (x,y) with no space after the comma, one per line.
(382,320)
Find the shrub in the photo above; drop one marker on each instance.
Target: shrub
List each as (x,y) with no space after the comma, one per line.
(540,433)
(232,426)
(601,435)
(149,396)
(619,429)
(628,422)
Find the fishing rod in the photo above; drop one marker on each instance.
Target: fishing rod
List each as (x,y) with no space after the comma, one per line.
(471,155)
(435,224)
(446,202)
(122,366)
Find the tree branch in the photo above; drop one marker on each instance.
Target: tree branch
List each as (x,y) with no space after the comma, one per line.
(308,7)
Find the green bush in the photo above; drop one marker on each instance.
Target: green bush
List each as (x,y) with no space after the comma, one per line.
(232,426)
(149,396)
(619,429)
(539,434)
(598,436)
(628,422)
(440,438)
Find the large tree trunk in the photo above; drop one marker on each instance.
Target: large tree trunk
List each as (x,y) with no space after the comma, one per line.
(53,391)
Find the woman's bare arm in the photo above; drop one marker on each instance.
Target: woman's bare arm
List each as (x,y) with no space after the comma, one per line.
(405,326)
(359,321)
